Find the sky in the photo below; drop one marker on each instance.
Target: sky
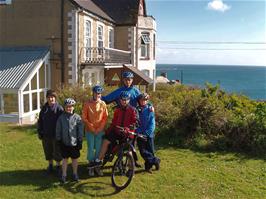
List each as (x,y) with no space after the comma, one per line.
(217,32)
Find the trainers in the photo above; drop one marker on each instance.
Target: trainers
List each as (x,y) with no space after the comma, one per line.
(95,164)
(157,164)
(63,179)
(91,172)
(98,171)
(75,177)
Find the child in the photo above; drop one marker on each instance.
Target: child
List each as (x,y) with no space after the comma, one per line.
(147,127)
(124,116)
(49,114)
(94,115)
(69,131)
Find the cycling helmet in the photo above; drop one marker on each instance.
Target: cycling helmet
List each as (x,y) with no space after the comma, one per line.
(127,74)
(69,102)
(125,95)
(97,89)
(144,96)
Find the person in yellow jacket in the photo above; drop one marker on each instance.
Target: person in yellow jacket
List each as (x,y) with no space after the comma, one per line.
(94,116)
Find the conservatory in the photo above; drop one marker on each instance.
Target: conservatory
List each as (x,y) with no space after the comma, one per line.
(24,80)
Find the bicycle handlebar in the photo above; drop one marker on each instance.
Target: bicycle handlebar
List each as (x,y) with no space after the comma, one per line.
(132,132)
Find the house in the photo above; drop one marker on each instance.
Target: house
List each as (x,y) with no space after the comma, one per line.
(84,42)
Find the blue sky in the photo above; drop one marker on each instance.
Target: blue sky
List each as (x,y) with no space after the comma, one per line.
(241,22)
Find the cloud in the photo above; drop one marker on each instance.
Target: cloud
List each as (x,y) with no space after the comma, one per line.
(218,5)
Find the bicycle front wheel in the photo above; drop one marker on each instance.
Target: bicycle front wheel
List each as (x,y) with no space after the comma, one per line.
(123,171)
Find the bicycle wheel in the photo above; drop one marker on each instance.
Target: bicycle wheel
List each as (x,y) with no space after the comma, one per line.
(123,171)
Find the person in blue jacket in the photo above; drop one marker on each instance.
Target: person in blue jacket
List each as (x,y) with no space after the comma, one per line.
(132,90)
(147,127)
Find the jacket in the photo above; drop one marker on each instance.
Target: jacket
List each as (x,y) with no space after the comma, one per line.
(69,129)
(146,121)
(115,95)
(47,120)
(94,115)
(123,117)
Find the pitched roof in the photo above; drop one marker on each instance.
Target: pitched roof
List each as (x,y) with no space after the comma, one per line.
(140,77)
(120,12)
(90,6)
(123,12)
(17,63)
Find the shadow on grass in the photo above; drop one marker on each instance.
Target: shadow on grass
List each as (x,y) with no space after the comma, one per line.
(218,147)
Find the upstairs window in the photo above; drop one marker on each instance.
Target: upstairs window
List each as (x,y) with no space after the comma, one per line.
(100,36)
(145,45)
(88,38)
(111,38)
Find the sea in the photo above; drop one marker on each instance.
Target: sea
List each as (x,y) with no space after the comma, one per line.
(245,80)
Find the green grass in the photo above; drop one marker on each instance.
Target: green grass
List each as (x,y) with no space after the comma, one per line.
(184,173)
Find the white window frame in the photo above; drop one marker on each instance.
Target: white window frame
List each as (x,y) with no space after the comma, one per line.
(110,37)
(145,45)
(98,40)
(88,54)
(90,72)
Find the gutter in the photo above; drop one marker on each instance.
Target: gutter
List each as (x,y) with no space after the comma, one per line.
(62,44)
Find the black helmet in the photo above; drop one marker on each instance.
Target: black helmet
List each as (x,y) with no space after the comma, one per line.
(144,96)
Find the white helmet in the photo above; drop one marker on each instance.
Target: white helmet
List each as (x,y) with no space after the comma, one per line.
(69,102)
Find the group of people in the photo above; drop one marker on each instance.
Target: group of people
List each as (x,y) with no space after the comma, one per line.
(61,130)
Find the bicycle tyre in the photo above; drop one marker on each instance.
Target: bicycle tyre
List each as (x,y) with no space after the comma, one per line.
(121,177)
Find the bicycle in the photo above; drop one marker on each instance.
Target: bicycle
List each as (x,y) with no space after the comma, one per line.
(123,169)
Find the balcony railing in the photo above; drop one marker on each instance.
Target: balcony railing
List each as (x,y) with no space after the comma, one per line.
(94,55)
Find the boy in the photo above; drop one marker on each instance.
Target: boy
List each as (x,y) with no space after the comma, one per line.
(124,116)
(69,131)
(147,127)
(94,115)
(46,130)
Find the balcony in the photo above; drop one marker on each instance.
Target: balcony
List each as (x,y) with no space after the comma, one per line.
(106,56)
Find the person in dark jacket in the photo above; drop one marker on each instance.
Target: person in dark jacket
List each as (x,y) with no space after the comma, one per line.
(124,116)
(146,127)
(46,130)
(69,133)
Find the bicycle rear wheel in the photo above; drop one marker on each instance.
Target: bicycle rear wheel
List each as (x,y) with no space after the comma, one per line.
(123,171)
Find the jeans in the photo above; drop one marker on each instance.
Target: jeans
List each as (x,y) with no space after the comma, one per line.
(94,143)
(146,149)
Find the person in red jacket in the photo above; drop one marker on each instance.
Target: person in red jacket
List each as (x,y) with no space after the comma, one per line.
(124,116)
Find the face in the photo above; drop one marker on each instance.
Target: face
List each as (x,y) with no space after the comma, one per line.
(124,102)
(143,102)
(128,81)
(51,100)
(69,109)
(97,96)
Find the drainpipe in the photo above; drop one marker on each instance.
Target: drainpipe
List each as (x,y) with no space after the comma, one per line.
(62,44)
(137,43)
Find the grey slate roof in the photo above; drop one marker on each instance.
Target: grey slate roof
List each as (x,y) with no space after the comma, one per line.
(120,12)
(17,63)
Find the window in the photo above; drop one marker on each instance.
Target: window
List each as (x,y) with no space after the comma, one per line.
(89,78)
(10,104)
(100,36)
(111,38)
(154,46)
(145,45)
(88,38)
(146,72)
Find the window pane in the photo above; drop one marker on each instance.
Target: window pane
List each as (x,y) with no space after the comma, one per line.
(27,88)
(34,101)
(10,103)
(26,104)
(34,82)
(42,76)
(42,98)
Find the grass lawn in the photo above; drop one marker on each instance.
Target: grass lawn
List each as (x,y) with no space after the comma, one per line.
(184,173)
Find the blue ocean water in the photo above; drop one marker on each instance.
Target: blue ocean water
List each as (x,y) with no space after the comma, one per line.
(247,80)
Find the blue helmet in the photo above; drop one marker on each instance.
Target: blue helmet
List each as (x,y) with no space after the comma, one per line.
(97,89)
(69,102)
(127,74)
(144,96)
(125,95)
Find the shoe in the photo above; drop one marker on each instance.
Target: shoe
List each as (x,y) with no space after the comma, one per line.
(95,164)
(98,171)
(90,164)
(157,164)
(63,180)
(75,177)
(50,169)
(91,172)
